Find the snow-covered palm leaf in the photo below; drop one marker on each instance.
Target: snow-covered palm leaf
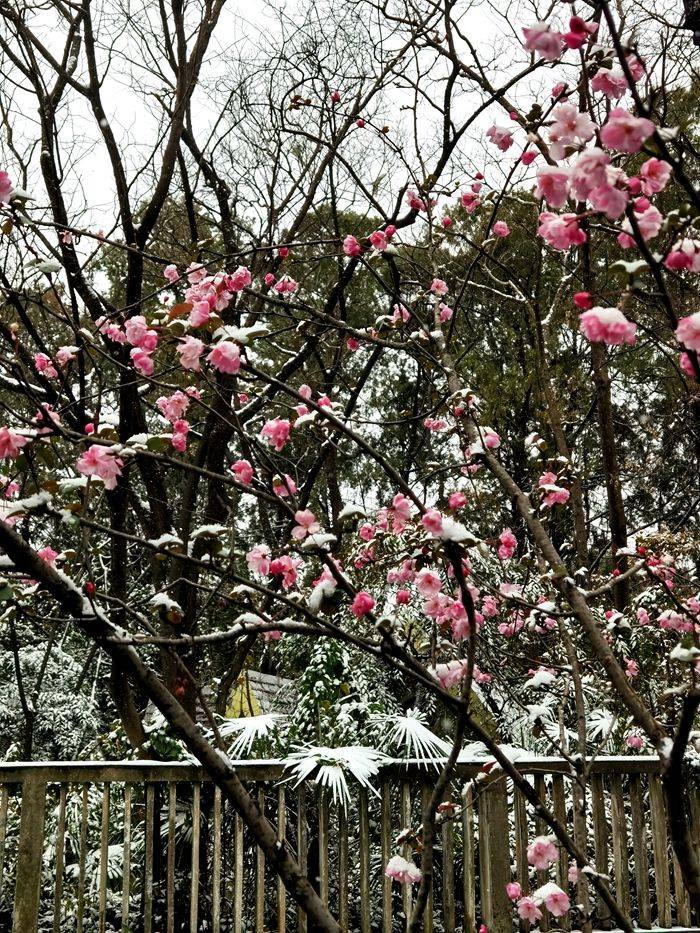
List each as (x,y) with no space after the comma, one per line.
(410,736)
(600,723)
(329,767)
(249,729)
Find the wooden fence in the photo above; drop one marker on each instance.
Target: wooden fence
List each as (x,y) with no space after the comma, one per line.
(153,847)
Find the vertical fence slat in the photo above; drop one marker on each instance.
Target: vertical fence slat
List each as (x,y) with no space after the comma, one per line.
(260,875)
(469,881)
(238,874)
(60,855)
(407,894)
(323,844)
(25,914)
(126,859)
(4,799)
(660,845)
(600,837)
(364,862)
(170,858)
(448,876)
(104,857)
(562,871)
(578,800)
(542,829)
(302,847)
(80,912)
(682,899)
(521,843)
(428,916)
(281,835)
(148,860)
(216,865)
(343,870)
(620,845)
(495,855)
(194,888)
(639,844)
(385,834)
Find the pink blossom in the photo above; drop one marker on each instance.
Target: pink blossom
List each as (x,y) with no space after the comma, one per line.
(284,486)
(44,365)
(171,274)
(572,874)
(686,364)
(557,902)
(654,175)
(362,604)
(286,286)
(379,240)
(142,361)
(65,354)
(258,559)
(611,83)
(451,673)
(634,740)
(470,201)
(401,870)
(688,331)
(226,357)
(569,128)
(6,188)
(432,521)
(195,272)
(276,432)
(287,568)
(580,31)
(609,199)
(446,312)
(457,500)
(589,172)
(239,280)
(561,231)
(541,853)
(491,439)
(306,524)
(513,890)
(190,349)
(415,202)
(403,597)
(541,39)
(528,157)
(101,462)
(528,909)
(174,406)
(351,246)
(631,668)
(446,222)
(508,544)
(501,228)
(608,325)
(11,442)
(428,583)
(649,223)
(554,494)
(625,132)
(181,429)
(500,136)
(138,333)
(48,555)
(553,185)
(684,255)
(400,512)
(438,287)
(243,471)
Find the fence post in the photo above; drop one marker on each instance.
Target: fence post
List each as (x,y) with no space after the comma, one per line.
(25,916)
(495,855)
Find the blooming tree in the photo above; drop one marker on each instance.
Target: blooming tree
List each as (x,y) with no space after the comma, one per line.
(396,349)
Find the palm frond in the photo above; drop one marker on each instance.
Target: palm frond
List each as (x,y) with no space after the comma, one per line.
(329,768)
(410,736)
(249,730)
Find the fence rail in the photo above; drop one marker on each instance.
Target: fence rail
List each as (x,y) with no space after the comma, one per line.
(151,847)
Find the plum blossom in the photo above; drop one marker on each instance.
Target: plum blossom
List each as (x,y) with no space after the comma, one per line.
(362,604)
(276,432)
(432,522)
(6,187)
(286,286)
(541,853)
(438,287)
(553,185)
(44,365)
(688,331)
(286,567)
(451,673)
(654,175)
(243,471)
(174,406)
(569,128)
(181,429)
(284,486)
(608,325)
(258,559)
(190,349)
(589,172)
(580,31)
(48,555)
(142,361)
(685,255)
(351,246)
(401,870)
(101,462)
(500,136)
(508,544)
(528,909)
(11,442)
(649,222)
(513,890)
(625,132)
(554,494)
(561,231)
(612,83)
(546,42)
(501,228)
(306,524)
(226,357)
(556,901)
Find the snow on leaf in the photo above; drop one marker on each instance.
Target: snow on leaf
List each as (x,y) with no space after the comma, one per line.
(329,767)
(411,736)
(249,729)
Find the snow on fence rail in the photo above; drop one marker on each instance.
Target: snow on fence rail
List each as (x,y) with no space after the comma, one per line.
(151,846)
